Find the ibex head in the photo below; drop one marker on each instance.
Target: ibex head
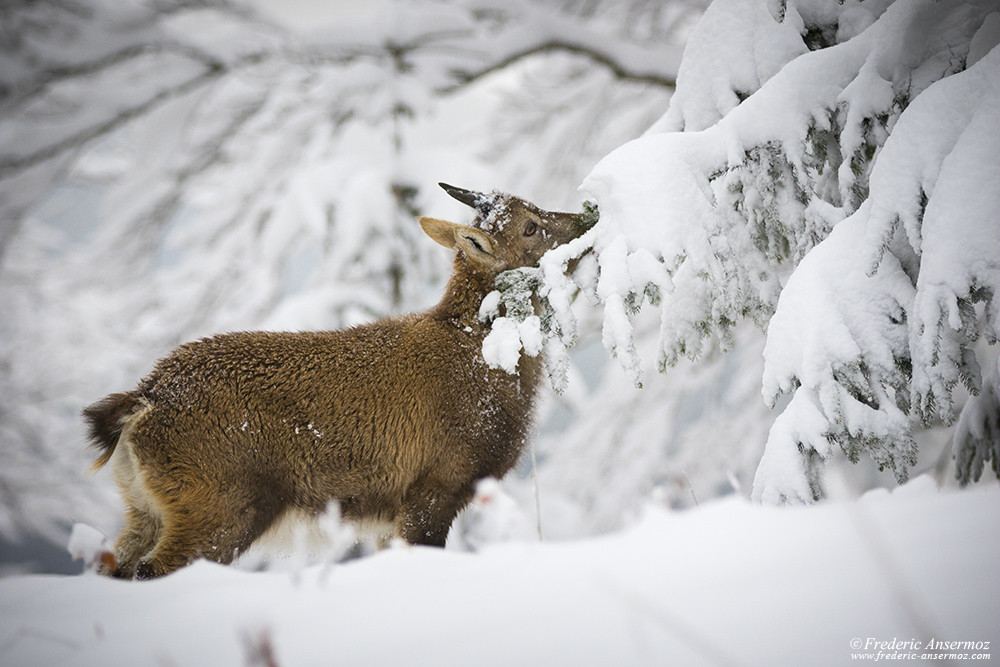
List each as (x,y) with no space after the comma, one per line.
(508,232)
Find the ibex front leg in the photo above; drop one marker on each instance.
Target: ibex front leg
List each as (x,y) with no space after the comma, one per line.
(428,513)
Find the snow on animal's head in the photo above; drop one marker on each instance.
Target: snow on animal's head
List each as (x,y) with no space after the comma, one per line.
(508,233)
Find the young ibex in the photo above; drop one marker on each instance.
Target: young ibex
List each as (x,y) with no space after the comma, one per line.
(394,420)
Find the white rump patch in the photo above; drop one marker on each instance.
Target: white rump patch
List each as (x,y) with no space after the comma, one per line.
(126,471)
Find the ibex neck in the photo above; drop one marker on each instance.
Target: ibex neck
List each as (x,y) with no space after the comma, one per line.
(463,295)
(460,306)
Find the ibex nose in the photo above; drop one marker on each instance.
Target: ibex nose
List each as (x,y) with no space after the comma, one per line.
(481,202)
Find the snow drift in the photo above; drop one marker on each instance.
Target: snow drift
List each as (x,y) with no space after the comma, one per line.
(728,584)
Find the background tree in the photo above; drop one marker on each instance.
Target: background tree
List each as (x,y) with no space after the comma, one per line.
(177,168)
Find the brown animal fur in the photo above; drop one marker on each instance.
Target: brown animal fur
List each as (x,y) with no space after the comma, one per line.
(396,420)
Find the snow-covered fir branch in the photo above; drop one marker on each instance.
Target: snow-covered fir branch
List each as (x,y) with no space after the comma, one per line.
(820,188)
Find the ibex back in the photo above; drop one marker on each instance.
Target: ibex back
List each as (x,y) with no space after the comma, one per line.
(395,420)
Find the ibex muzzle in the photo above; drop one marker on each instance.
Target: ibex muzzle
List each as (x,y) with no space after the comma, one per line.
(395,420)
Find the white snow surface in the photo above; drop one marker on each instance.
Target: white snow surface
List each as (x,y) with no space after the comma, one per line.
(728,583)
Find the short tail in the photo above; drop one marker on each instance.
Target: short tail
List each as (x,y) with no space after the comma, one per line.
(107,419)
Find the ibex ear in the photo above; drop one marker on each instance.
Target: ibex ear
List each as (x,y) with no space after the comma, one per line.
(441,231)
(475,243)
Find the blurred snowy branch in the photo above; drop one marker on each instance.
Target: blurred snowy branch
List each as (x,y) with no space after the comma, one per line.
(175,168)
(119,46)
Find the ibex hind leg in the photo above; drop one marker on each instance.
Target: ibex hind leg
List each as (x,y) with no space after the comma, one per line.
(143,523)
(140,534)
(193,530)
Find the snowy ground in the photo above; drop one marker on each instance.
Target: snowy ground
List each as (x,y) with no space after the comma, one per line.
(726,584)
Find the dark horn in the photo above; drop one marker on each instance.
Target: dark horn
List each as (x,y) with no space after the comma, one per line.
(477,200)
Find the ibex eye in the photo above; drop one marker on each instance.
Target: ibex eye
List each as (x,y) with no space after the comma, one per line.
(530,229)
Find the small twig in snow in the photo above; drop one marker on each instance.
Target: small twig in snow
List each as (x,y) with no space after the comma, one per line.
(538,501)
(259,649)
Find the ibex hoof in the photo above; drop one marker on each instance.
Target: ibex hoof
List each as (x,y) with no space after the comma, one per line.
(145,570)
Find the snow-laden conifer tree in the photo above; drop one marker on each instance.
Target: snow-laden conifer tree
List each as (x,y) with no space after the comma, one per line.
(825,170)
